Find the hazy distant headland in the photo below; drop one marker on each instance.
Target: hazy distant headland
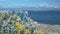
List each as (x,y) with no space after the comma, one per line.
(33,9)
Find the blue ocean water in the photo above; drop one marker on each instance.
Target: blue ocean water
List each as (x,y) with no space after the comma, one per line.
(46,17)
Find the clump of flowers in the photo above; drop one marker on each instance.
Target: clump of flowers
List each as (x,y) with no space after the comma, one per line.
(17,22)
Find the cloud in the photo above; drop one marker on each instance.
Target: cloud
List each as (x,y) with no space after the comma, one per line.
(38,5)
(49,5)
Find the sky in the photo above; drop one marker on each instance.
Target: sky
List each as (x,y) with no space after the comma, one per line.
(30,4)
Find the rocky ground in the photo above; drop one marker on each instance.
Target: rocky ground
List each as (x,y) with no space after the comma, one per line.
(49,29)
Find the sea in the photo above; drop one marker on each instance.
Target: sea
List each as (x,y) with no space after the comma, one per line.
(45,16)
